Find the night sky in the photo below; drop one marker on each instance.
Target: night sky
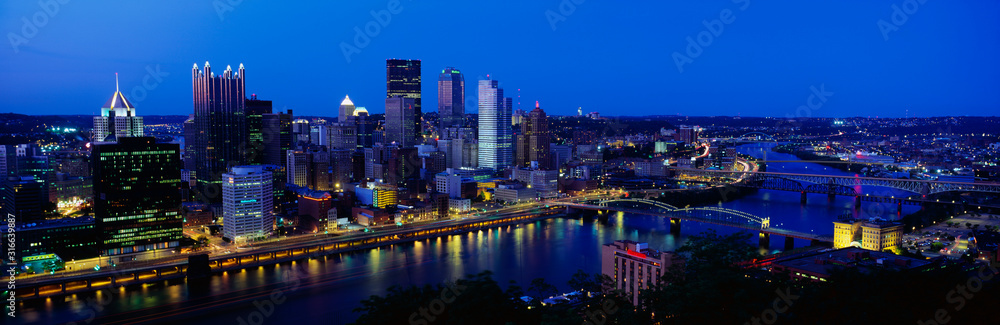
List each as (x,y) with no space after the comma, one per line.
(605,56)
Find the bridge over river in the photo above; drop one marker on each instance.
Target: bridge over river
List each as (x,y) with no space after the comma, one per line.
(710,215)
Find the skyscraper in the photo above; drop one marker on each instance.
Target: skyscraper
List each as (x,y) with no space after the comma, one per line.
(399,121)
(220,117)
(137,196)
(451,97)
(346,109)
(495,147)
(255,110)
(402,78)
(277,137)
(364,124)
(533,140)
(117,118)
(247,204)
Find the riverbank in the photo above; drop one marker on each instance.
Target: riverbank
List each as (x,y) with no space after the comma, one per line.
(266,256)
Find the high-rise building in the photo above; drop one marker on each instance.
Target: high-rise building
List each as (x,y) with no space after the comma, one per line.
(318,135)
(402,78)
(346,109)
(117,118)
(343,135)
(451,97)
(689,134)
(277,137)
(136,195)
(190,132)
(635,267)
(399,121)
(300,131)
(297,167)
(247,204)
(533,140)
(220,117)
(255,110)
(364,126)
(495,142)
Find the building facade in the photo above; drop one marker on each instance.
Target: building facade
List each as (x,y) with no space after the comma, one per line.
(635,267)
(137,195)
(220,119)
(451,97)
(495,139)
(247,204)
(402,78)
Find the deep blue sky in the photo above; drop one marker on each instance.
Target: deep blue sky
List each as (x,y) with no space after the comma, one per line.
(605,56)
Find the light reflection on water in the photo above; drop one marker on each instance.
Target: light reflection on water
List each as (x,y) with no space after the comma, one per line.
(330,288)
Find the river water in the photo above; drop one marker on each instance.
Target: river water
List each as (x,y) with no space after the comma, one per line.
(330,289)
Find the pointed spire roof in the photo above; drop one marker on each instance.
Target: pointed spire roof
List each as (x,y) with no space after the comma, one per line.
(118,99)
(347,101)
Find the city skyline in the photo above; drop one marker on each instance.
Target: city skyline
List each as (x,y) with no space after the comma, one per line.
(915,68)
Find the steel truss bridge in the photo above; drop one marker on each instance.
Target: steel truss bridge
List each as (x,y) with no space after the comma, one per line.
(710,215)
(834,185)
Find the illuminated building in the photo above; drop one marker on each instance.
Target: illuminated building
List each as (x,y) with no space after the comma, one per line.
(495,141)
(136,195)
(451,97)
(346,109)
(384,196)
(247,204)
(399,121)
(255,111)
(533,141)
(402,78)
(873,234)
(635,267)
(117,118)
(317,205)
(220,120)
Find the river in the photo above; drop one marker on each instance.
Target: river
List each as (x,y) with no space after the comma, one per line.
(330,289)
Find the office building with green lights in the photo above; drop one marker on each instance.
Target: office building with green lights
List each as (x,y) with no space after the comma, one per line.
(136,195)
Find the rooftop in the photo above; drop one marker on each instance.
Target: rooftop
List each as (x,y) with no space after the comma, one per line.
(824,262)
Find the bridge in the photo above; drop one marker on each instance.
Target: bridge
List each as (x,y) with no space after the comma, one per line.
(829,184)
(709,215)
